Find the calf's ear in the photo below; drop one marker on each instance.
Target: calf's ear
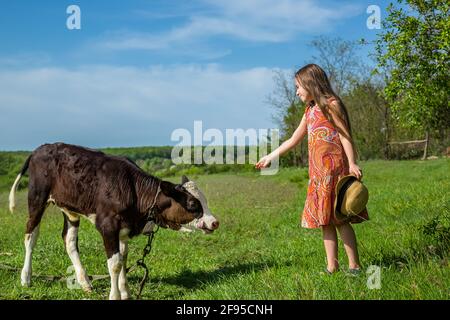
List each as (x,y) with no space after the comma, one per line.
(184,179)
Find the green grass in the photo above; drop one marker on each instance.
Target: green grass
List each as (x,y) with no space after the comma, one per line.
(259,251)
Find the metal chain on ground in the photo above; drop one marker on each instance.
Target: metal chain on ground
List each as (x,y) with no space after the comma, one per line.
(141,261)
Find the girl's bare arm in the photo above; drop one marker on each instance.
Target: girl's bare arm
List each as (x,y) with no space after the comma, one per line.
(287,145)
(294,140)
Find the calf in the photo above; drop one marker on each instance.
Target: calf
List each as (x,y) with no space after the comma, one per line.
(112,192)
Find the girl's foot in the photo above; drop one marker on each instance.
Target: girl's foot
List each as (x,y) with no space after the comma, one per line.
(333,268)
(325,272)
(328,272)
(354,271)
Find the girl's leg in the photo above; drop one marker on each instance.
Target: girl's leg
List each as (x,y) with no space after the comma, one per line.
(349,238)
(331,247)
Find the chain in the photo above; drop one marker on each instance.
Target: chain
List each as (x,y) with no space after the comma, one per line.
(141,261)
(148,246)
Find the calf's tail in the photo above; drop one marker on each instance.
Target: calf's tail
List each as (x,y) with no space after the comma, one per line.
(12,193)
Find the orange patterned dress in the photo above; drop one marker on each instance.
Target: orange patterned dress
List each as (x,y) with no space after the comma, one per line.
(327,164)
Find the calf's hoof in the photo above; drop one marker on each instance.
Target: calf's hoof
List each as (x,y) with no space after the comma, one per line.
(125,296)
(25,280)
(87,287)
(25,283)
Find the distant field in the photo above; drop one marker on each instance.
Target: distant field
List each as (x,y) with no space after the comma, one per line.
(259,251)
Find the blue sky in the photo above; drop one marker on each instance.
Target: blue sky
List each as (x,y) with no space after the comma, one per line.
(139,69)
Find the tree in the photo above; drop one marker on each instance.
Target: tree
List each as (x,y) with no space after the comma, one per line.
(370,114)
(339,60)
(415,46)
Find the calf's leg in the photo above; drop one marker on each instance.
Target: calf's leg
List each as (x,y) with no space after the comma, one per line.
(123,283)
(70,237)
(31,236)
(36,206)
(114,267)
(110,233)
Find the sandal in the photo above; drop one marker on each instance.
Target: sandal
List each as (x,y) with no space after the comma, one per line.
(328,272)
(355,272)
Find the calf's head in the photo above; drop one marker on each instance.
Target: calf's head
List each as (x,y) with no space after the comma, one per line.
(177,206)
(207,223)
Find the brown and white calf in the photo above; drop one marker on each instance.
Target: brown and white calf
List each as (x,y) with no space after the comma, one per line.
(113,193)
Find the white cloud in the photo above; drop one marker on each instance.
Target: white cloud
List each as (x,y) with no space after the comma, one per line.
(285,16)
(250,20)
(124,106)
(25,59)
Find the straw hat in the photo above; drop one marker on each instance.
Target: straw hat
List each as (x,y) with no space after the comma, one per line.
(351,197)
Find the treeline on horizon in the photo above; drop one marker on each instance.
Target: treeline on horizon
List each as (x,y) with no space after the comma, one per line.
(157,161)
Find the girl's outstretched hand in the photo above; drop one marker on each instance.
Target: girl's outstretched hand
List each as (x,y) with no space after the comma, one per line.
(355,170)
(263,162)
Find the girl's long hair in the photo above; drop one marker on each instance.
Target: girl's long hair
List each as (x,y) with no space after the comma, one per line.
(315,81)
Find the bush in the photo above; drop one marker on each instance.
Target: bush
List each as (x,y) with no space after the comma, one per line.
(436,233)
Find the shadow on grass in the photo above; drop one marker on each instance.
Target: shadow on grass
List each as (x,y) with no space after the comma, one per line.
(390,259)
(193,279)
(411,256)
(431,241)
(186,279)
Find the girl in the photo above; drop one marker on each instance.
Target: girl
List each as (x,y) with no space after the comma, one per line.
(331,156)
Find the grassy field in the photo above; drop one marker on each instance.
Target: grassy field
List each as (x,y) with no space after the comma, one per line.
(259,251)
